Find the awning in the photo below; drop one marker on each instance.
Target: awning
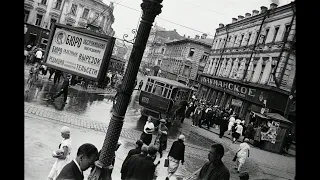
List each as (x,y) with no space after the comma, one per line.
(278,117)
(260,115)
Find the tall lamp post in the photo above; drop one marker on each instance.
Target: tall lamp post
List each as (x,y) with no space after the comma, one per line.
(103,167)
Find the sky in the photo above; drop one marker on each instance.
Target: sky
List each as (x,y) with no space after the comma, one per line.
(188,17)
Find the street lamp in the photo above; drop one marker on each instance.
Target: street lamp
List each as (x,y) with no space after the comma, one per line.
(103,167)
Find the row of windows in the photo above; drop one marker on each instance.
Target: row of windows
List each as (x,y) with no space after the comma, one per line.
(242,40)
(39,19)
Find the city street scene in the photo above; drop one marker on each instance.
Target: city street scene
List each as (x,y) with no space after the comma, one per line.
(160,89)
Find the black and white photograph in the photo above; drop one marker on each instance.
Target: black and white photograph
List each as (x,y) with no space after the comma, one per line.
(159,89)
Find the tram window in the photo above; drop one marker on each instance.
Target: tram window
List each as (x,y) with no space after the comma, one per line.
(149,87)
(157,90)
(165,92)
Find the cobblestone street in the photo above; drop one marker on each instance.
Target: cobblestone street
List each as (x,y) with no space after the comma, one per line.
(260,165)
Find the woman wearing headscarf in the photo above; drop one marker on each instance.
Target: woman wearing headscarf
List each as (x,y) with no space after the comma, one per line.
(62,154)
(242,154)
(176,154)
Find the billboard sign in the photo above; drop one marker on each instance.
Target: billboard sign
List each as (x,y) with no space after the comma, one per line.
(79,51)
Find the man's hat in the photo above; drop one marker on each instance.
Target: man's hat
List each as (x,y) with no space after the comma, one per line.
(163,120)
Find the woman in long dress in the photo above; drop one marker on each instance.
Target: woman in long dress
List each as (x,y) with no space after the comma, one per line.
(63,158)
(242,154)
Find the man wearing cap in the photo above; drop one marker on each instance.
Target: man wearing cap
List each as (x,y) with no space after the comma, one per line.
(62,154)
(162,137)
(148,129)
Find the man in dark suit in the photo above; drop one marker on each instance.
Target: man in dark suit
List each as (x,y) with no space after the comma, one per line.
(142,168)
(137,150)
(86,156)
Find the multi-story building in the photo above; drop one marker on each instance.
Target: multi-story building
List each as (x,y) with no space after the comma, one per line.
(183,59)
(39,15)
(252,63)
(156,46)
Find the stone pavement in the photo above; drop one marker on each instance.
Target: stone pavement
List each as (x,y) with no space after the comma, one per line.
(273,166)
(260,165)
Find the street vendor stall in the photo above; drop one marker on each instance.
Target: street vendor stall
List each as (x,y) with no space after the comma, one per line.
(270,131)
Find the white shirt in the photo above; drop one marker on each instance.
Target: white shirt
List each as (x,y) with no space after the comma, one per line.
(149,125)
(39,54)
(239,129)
(78,166)
(232,119)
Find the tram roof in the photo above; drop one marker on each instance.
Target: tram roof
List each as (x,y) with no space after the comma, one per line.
(169,81)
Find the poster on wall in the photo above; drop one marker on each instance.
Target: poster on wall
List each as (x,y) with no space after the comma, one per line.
(78,51)
(271,134)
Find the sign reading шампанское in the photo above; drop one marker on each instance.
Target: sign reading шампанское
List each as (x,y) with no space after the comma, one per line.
(239,90)
(76,52)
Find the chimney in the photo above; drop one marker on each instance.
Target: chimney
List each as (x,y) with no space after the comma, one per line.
(197,36)
(255,12)
(240,17)
(263,9)
(204,36)
(174,30)
(188,36)
(184,35)
(234,20)
(273,5)
(221,25)
(248,15)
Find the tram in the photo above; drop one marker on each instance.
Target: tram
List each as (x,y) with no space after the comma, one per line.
(161,97)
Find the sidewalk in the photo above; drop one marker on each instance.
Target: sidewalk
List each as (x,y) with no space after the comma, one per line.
(43,137)
(273,166)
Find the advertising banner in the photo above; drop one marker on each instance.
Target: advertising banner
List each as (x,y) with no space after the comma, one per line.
(271,134)
(78,52)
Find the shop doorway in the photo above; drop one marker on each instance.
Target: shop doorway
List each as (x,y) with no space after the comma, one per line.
(32,39)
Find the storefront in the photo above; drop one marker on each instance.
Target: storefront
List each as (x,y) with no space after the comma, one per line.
(36,36)
(241,97)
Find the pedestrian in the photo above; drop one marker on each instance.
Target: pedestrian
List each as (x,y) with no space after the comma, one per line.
(162,137)
(248,133)
(64,89)
(244,176)
(232,120)
(141,168)
(132,152)
(196,116)
(257,136)
(136,150)
(56,77)
(38,55)
(148,129)
(86,155)
(203,114)
(62,155)
(214,169)
(176,154)
(140,85)
(208,117)
(182,110)
(242,154)
(51,72)
(237,133)
(288,141)
(223,124)
(190,109)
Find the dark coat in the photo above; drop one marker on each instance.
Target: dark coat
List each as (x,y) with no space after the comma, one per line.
(130,153)
(139,167)
(177,150)
(214,172)
(70,171)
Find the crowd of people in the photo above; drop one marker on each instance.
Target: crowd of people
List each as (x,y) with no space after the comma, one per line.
(226,120)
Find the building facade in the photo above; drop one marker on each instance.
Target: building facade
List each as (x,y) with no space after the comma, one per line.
(156,47)
(252,63)
(183,59)
(40,15)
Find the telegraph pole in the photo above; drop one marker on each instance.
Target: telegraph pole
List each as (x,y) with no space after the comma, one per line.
(103,167)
